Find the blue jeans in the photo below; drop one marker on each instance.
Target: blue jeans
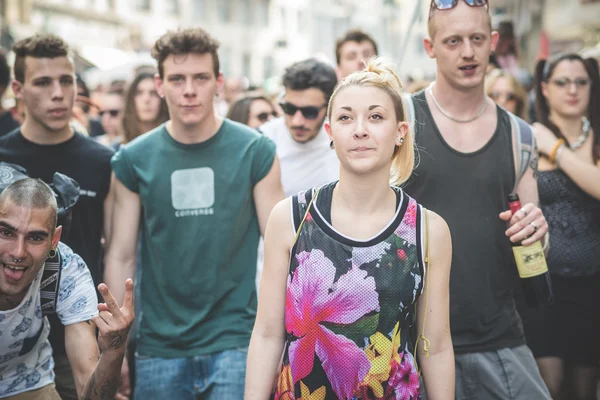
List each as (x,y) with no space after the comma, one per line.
(217,376)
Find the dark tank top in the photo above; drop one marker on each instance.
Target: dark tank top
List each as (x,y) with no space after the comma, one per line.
(574,222)
(469,191)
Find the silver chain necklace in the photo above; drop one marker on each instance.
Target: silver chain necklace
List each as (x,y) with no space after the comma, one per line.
(585,132)
(439,107)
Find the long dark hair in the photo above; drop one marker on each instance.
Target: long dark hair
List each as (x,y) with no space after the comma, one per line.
(543,72)
(240,110)
(131,124)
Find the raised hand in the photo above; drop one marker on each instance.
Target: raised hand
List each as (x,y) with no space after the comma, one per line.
(114,322)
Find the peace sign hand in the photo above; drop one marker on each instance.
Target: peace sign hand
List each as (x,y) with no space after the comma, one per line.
(113,322)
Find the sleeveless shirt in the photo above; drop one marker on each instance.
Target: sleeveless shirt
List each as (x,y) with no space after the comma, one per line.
(469,190)
(351,306)
(574,221)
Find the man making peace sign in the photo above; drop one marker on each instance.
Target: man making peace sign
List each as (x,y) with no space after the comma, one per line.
(28,234)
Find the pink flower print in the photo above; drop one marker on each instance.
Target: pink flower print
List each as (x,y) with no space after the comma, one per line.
(401,254)
(410,218)
(312,298)
(406,230)
(404,379)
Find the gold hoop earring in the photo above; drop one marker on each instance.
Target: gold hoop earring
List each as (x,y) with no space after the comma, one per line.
(52,253)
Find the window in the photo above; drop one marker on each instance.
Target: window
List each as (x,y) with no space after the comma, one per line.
(262,12)
(268,67)
(143,5)
(224,10)
(199,10)
(244,12)
(172,7)
(225,60)
(246,65)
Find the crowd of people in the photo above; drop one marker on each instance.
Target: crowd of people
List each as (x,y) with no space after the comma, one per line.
(187,236)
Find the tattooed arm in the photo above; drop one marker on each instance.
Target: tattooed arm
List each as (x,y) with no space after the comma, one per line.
(97,365)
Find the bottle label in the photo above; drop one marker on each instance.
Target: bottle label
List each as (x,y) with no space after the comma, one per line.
(530,260)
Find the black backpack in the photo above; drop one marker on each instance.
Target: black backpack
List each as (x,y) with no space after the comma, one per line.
(66,191)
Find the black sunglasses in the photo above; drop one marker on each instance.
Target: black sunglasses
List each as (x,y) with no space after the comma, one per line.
(449,4)
(264,116)
(113,113)
(309,112)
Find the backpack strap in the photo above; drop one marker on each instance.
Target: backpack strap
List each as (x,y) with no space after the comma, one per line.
(50,283)
(409,108)
(525,145)
(300,206)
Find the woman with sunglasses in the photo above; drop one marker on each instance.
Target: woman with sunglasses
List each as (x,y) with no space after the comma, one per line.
(252,111)
(504,89)
(345,289)
(564,336)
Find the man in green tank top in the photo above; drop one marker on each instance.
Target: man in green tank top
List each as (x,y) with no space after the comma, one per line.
(199,189)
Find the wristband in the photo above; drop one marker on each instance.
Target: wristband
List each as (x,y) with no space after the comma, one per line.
(552,155)
(559,153)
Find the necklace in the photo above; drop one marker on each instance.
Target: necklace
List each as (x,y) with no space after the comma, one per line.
(585,132)
(439,107)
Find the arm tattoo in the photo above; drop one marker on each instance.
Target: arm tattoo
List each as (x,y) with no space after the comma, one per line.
(109,389)
(533,164)
(90,391)
(117,339)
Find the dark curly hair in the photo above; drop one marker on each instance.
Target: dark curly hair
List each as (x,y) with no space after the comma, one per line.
(41,45)
(185,41)
(310,73)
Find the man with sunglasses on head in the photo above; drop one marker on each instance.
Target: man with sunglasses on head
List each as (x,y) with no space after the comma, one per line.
(45,83)
(302,143)
(467,169)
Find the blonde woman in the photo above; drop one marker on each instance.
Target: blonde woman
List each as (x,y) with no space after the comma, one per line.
(345,289)
(506,91)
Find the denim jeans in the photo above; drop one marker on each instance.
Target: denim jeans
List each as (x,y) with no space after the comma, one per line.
(504,374)
(217,376)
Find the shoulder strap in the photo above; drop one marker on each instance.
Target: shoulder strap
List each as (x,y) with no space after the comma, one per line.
(299,208)
(525,143)
(50,283)
(409,108)
(303,209)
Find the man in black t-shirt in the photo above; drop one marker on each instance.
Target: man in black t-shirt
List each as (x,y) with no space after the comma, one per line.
(45,144)
(7,122)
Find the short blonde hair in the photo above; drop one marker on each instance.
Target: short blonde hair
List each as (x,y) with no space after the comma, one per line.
(379,74)
(522,109)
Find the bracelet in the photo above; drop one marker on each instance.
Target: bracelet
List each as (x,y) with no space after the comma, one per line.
(546,241)
(558,155)
(552,155)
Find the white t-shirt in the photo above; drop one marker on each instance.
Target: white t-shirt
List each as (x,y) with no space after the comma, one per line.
(25,354)
(303,165)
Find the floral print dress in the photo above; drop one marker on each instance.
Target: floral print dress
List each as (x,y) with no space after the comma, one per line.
(351,307)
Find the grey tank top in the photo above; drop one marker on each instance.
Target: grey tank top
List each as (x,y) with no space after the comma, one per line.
(469,191)
(574,220)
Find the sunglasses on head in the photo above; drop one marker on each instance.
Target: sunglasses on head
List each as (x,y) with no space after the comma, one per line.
(449,4)
(112,113)
(309,112)
(264,116)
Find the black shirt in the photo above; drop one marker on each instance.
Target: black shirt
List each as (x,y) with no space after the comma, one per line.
(469,191)
(86,161)
(7,123)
